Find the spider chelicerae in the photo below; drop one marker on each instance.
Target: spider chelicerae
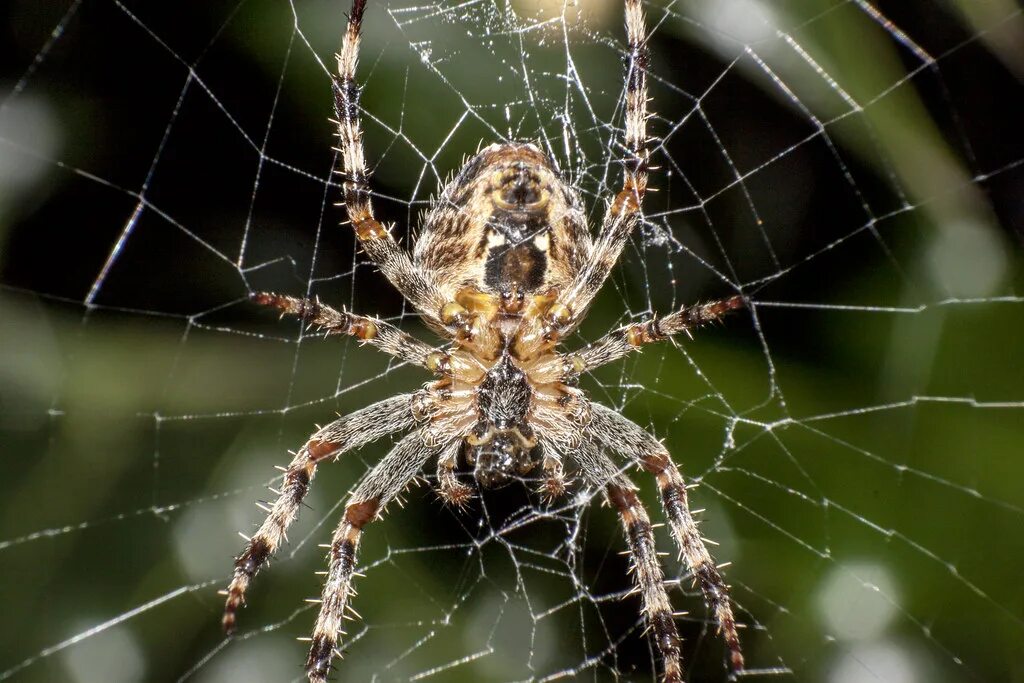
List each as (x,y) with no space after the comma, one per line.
(504,269)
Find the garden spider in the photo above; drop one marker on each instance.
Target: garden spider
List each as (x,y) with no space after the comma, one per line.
(504,270)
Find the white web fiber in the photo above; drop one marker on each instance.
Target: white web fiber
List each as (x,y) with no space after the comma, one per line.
(855,170)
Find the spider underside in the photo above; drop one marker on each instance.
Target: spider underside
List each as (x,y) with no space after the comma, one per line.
(504,269)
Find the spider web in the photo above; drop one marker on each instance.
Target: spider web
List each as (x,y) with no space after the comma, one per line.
(855,169)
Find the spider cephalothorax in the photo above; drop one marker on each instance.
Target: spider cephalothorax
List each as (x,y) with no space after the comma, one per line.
(502,443)
(503,270)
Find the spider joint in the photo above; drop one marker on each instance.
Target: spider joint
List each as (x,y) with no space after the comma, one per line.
(439,363)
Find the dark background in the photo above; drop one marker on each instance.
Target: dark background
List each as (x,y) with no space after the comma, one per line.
(856,433)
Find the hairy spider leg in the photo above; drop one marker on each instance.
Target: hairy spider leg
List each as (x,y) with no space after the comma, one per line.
(602,473)
(621,435)
(344,434)
(623,214)
(378,243)
(650,581)
(386,480)
(374,331)
(622,341)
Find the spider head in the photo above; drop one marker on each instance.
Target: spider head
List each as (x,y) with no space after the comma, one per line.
(502,444)
(500,454)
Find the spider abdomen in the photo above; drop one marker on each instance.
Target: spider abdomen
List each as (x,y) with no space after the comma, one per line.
(506,222)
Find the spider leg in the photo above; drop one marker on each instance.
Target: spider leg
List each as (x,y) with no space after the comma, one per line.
(384,482)
(620,435)
(647,572)
(620,342)
(623,214)
(373,331)
(344,434)
(378,243)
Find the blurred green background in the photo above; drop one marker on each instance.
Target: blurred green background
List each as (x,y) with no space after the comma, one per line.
(857,170)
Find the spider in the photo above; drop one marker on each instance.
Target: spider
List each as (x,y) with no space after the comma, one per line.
(504,269)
